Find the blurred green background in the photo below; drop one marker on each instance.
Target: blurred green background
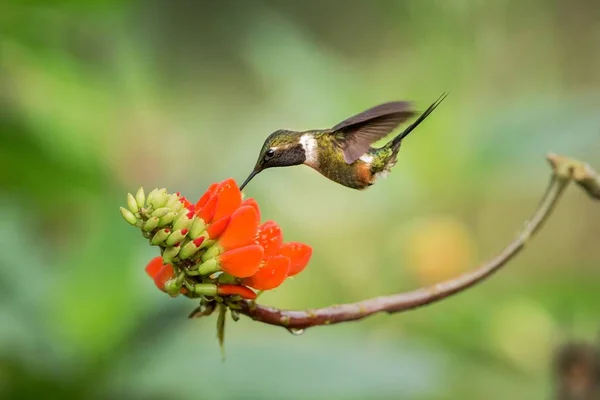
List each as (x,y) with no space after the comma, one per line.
(100,97)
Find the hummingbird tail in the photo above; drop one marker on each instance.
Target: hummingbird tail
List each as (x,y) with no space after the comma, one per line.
(395,143)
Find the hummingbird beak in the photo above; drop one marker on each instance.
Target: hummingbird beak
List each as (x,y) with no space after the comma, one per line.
(249,178)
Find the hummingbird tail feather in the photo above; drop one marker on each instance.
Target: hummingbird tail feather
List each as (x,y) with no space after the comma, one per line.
(395,143)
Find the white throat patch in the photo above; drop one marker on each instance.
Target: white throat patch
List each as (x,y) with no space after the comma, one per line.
(366,158)
(309,144)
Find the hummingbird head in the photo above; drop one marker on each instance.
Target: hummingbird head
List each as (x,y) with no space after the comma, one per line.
(281,149)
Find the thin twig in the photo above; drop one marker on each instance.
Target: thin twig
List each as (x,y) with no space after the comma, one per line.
(564,170)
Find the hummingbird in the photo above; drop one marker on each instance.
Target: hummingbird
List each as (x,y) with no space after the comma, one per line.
(343,153)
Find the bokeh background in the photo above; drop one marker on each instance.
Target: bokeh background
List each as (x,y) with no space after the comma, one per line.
(99,97)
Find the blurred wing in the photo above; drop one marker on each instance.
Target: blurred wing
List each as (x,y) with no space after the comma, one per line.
(356,134)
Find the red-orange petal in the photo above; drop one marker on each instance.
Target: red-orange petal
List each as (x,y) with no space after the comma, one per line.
(270,237)
(299,255)
(206,196)
(165,273)
(252,203)
(243,291)
(241,230)
(207,212)
(217,228)
(271,274)
(229,198)
(242,262)
(154,266)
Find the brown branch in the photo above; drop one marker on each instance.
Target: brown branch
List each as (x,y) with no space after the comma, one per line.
(564,170)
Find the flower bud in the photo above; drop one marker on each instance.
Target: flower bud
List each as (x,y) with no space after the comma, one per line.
(160,236)
(160,198)
(170,253)
(167,219)
(209,267)
(211,252)
(173,287)
(128,216)
(205,289)
(197,228)
(183,221)
(207,243)
(140,197)
(177,206)
(150,197)
(176,237)
(174,204)
(191,248)
(161,212)
(150,224)
(131,203)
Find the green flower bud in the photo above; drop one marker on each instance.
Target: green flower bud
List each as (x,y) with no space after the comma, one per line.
(190,248)
(140,198)
(128,216)
(211,252)
(172,201)
(182,212)
(173,287)
(160,236)
(167,219)
(161,212)
(197,228)
(177,206)
(183,222)
(150,197)
(205,289)
(150,224)
(208,267)
(160,199)
(207,243)
(176,237)
(170,253)
(131,203)
(227,279)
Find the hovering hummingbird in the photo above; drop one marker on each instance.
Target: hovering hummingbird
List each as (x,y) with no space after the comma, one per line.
(344,153)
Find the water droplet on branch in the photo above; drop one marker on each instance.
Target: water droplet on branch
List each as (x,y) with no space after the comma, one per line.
(295,331)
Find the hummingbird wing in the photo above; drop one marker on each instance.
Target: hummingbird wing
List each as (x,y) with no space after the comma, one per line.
(356,134)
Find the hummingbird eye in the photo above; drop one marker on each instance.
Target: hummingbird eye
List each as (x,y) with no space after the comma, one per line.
(270,153)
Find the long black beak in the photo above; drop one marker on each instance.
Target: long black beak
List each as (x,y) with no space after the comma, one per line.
(249,178)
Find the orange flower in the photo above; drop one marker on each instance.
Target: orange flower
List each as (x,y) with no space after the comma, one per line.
(272,272)
(270,237)
(280,260)
(252,203)
(299,255)
(220,201)
(215,246)
(241,262)
(161,273)
(219,207)
(241,229)
(242,291)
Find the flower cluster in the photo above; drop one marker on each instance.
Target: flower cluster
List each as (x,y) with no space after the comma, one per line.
(215,247)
